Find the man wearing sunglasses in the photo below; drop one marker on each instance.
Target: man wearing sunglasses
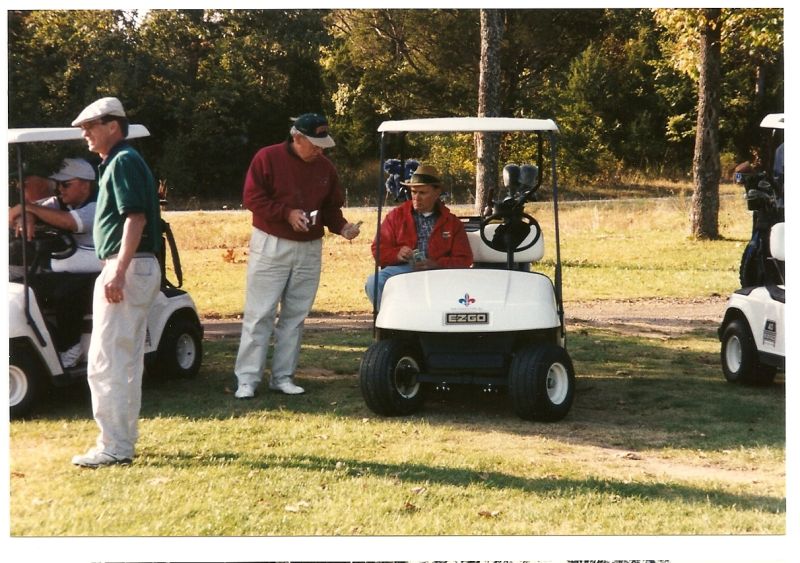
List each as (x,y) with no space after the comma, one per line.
(71,210)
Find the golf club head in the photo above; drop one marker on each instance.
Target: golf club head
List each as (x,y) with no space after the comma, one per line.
(511,177)
(528,175)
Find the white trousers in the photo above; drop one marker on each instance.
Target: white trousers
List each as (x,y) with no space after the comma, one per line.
(116,354)
(279,271)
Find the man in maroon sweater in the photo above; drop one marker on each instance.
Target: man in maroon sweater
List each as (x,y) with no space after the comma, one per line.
(420,234)
(293,191)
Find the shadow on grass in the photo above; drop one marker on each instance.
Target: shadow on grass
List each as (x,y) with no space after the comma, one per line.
(632,392)
(458,477)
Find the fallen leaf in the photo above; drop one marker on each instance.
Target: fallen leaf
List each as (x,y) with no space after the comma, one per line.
(418,490)
(632,456)
(409,507)
(489,513)
(297,507)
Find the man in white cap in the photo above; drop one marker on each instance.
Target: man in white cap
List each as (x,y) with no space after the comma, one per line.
(293,192)
(127,234)
(71,210)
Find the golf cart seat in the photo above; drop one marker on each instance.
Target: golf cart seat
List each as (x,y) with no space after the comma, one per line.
(777,244)
(777,250)
(483,256)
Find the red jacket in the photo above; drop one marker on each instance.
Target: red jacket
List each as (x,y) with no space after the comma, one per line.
(448,244)
(278,181)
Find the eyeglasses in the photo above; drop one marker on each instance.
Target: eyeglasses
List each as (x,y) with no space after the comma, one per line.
(89,125)
(65,184)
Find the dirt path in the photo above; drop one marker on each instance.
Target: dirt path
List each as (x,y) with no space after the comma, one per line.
(667,316)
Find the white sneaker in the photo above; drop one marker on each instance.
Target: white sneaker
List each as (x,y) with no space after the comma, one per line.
(287,387)
(93,460)
(71,357)
(245,391)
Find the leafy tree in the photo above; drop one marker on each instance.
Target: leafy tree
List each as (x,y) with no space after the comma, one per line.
(488,144)
(705,199)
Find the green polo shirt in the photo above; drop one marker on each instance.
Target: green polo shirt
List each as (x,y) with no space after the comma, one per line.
(126,186)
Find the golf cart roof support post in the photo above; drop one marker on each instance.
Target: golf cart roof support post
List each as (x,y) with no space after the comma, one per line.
(557,276)
(24,235)
(380,192)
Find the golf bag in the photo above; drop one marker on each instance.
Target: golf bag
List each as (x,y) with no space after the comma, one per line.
(765,199)
(399,172)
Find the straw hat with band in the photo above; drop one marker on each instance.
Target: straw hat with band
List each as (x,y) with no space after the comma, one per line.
(424,175)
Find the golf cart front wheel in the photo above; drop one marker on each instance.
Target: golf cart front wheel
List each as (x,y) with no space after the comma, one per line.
(388,376)
(542,383)
(739,356)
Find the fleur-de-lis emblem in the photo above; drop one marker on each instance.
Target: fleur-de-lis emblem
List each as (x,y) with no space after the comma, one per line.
(466,301)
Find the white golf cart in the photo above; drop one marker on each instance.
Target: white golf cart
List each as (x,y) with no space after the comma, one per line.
(752,331)
(174,332)
(497,324)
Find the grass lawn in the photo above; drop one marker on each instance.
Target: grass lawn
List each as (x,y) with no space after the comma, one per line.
(656,443)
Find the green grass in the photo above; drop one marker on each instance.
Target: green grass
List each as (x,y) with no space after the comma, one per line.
(610,250)
(656,442)
(654,431)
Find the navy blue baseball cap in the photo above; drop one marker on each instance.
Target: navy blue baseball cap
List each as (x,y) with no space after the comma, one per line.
(314,127)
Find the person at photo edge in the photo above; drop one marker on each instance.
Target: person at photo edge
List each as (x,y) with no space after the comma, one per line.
(127,236)
(293,192)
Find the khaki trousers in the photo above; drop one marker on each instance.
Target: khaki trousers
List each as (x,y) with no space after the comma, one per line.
(279,272)
(116,354)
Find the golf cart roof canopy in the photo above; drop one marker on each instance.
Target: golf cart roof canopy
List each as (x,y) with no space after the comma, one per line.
(773,121)
(40,134)
(467,125)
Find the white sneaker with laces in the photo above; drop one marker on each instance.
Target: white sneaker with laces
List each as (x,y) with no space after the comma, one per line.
(94,459)
(71,357)
(245,391)
(287,387)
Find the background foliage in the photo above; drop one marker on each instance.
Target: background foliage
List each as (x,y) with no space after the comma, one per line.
(215,85)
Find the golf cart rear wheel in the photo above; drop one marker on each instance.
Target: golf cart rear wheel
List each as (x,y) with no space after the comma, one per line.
(542,383)
(388,377)
(739,356)
(24,385)
(180,349)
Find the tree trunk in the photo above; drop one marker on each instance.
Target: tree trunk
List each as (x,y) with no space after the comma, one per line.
(706,164)
(487,145)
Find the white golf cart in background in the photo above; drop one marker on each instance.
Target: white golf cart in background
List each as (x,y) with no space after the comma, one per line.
(752,333)
(174,333)
(497,324)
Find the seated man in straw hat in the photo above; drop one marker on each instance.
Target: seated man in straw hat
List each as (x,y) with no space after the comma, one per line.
(419,234)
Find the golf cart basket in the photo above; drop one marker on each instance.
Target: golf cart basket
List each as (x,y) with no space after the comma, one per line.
(764,196)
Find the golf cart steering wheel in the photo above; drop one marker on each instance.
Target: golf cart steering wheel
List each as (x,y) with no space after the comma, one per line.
(514,230)
(53,243)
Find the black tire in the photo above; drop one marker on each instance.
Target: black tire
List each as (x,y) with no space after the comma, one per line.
(25,384)
(388,378)
(739,356)
(180,350)
(542,383)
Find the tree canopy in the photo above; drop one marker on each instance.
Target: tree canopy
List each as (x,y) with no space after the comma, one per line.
(213,86)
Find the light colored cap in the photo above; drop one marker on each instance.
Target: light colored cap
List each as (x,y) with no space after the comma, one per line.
(74,168)
(98,109)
